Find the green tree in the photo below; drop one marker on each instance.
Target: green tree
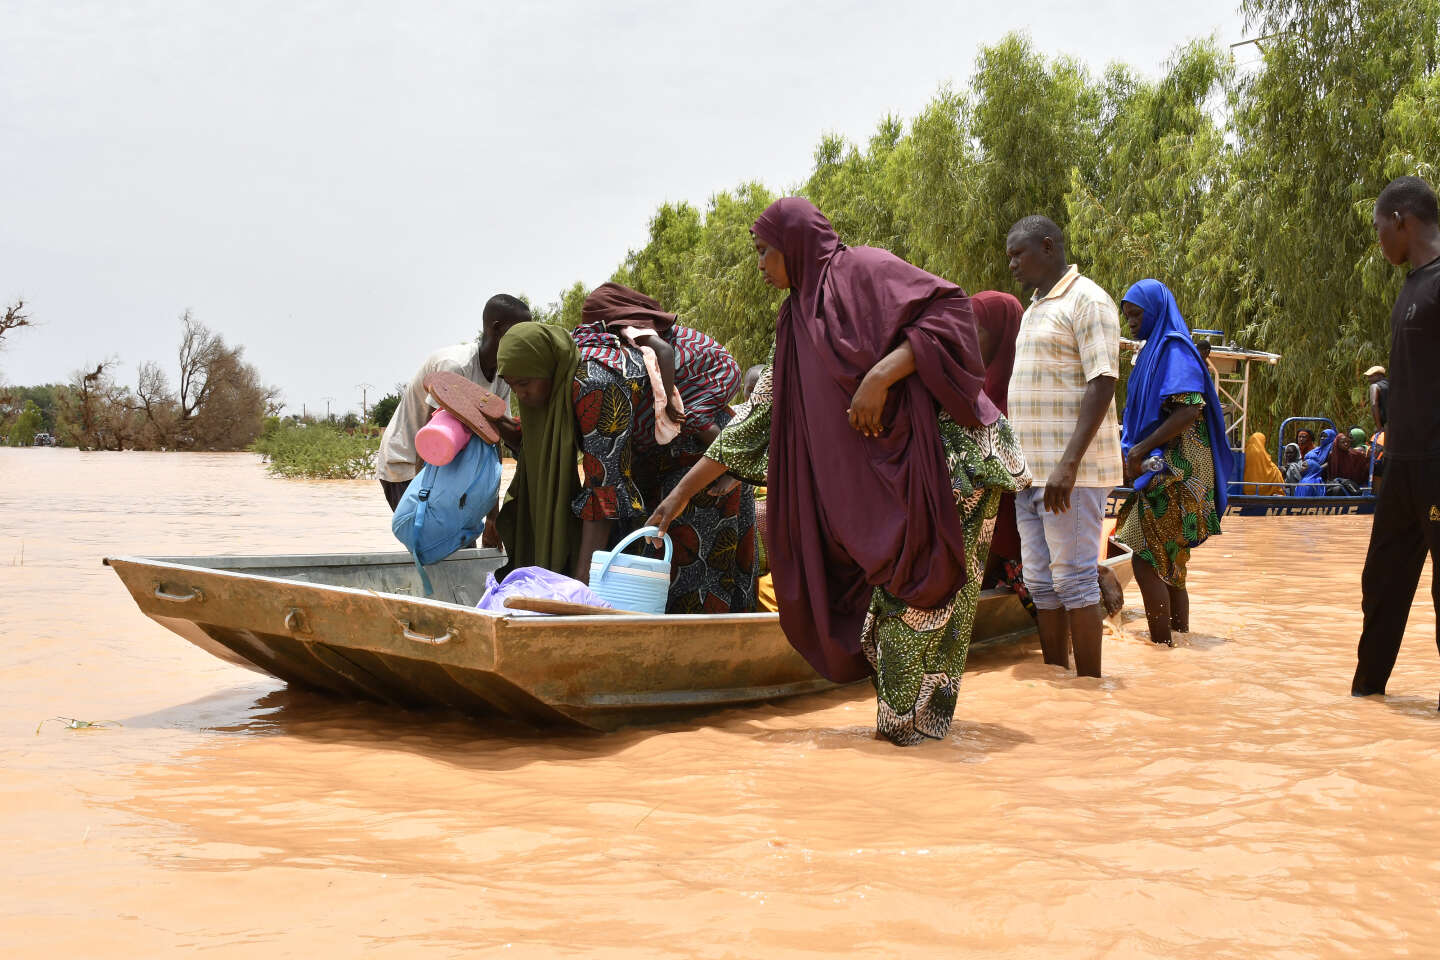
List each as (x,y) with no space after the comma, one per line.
(861,192)
(1153,185)
(384,408)
(729,298)
(26,425)
(565,311)
(1033,123)
(1310,130)
(660,269)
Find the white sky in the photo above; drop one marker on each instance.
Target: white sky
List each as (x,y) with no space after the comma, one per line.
(339,187)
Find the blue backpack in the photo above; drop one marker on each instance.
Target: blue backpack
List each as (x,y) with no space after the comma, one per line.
(445,507)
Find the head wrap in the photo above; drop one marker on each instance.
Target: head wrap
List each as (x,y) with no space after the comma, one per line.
(998,314)
(1169,364)
(537,524)
(1312,484)
(1349,463)
(849,513)
(1260,469)
(613,306)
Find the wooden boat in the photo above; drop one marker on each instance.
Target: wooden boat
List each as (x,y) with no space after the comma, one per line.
(354,626)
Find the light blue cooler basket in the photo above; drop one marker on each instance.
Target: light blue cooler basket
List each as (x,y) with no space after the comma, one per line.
(629,582)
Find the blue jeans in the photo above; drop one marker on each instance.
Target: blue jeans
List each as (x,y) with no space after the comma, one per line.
(1061,551)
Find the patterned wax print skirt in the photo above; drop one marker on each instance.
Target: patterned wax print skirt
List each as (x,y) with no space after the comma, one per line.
(1177,511)
(919,655)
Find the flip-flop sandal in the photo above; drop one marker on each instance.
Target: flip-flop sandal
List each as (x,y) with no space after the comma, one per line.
(467,402)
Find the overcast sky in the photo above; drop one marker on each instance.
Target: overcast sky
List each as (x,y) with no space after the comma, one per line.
(340,186)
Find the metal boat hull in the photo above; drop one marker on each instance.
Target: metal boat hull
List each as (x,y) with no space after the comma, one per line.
(354,626)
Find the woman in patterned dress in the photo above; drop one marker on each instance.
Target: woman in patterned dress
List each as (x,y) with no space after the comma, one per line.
(626,470)
(885,463)
(1173,412)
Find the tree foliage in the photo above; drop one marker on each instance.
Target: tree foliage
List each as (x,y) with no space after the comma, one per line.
(27,423)
(13,318)
(384,408)
(219,404)
(1247,189)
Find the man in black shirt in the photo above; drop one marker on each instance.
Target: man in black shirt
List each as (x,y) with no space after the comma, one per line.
(1407,516)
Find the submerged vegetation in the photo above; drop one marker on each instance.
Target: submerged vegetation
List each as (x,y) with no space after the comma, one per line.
(318,449)
(1242,179)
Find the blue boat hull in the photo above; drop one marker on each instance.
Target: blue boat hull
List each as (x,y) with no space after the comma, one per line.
(1242,505)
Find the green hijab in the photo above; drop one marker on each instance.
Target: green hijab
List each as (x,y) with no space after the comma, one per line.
(537,524)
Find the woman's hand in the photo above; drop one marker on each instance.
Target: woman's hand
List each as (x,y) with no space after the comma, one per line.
(667,512)
(867,406)
(509,429)
(1134,464)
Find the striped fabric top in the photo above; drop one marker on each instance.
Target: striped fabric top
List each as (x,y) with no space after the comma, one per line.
(706,375)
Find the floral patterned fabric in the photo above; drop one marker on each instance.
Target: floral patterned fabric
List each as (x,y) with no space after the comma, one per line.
(1176,512)
(744,445)
(626,475)
(919,655)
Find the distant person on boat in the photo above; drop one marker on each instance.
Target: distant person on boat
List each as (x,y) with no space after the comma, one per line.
(1305,440)
(1176,456)
(1262,477)
(1407,514)
(1292,464)
(590,396)
(1379,392)
(397,463)
(1312,484)
(884,460)
(1062,399)
(1348,465)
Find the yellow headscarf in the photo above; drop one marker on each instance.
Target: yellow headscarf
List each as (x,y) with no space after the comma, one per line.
(1259,468)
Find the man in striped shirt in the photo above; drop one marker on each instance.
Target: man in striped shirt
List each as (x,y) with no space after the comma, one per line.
(1062,408)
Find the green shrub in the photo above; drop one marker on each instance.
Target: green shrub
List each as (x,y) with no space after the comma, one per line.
(383,409)
(317,451)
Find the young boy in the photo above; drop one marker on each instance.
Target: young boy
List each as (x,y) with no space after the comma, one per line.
(397,463)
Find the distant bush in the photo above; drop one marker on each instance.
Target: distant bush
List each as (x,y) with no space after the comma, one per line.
(384,409)
(317,451)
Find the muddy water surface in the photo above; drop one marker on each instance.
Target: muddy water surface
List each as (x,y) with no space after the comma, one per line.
(1226,798)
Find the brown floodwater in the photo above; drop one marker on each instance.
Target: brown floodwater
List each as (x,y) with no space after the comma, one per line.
(1226,798)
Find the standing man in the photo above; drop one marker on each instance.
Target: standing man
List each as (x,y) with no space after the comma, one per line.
(397,462)
(1379,391)
(1062,408)
(1407,516)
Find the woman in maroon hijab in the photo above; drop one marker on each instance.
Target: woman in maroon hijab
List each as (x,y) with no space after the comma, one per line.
(885,463)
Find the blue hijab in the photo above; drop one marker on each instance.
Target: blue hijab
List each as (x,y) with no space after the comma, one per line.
(1313,483)
(1167,365)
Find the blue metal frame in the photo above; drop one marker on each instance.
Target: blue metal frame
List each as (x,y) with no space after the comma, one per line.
(1280,438)
(1286,503)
